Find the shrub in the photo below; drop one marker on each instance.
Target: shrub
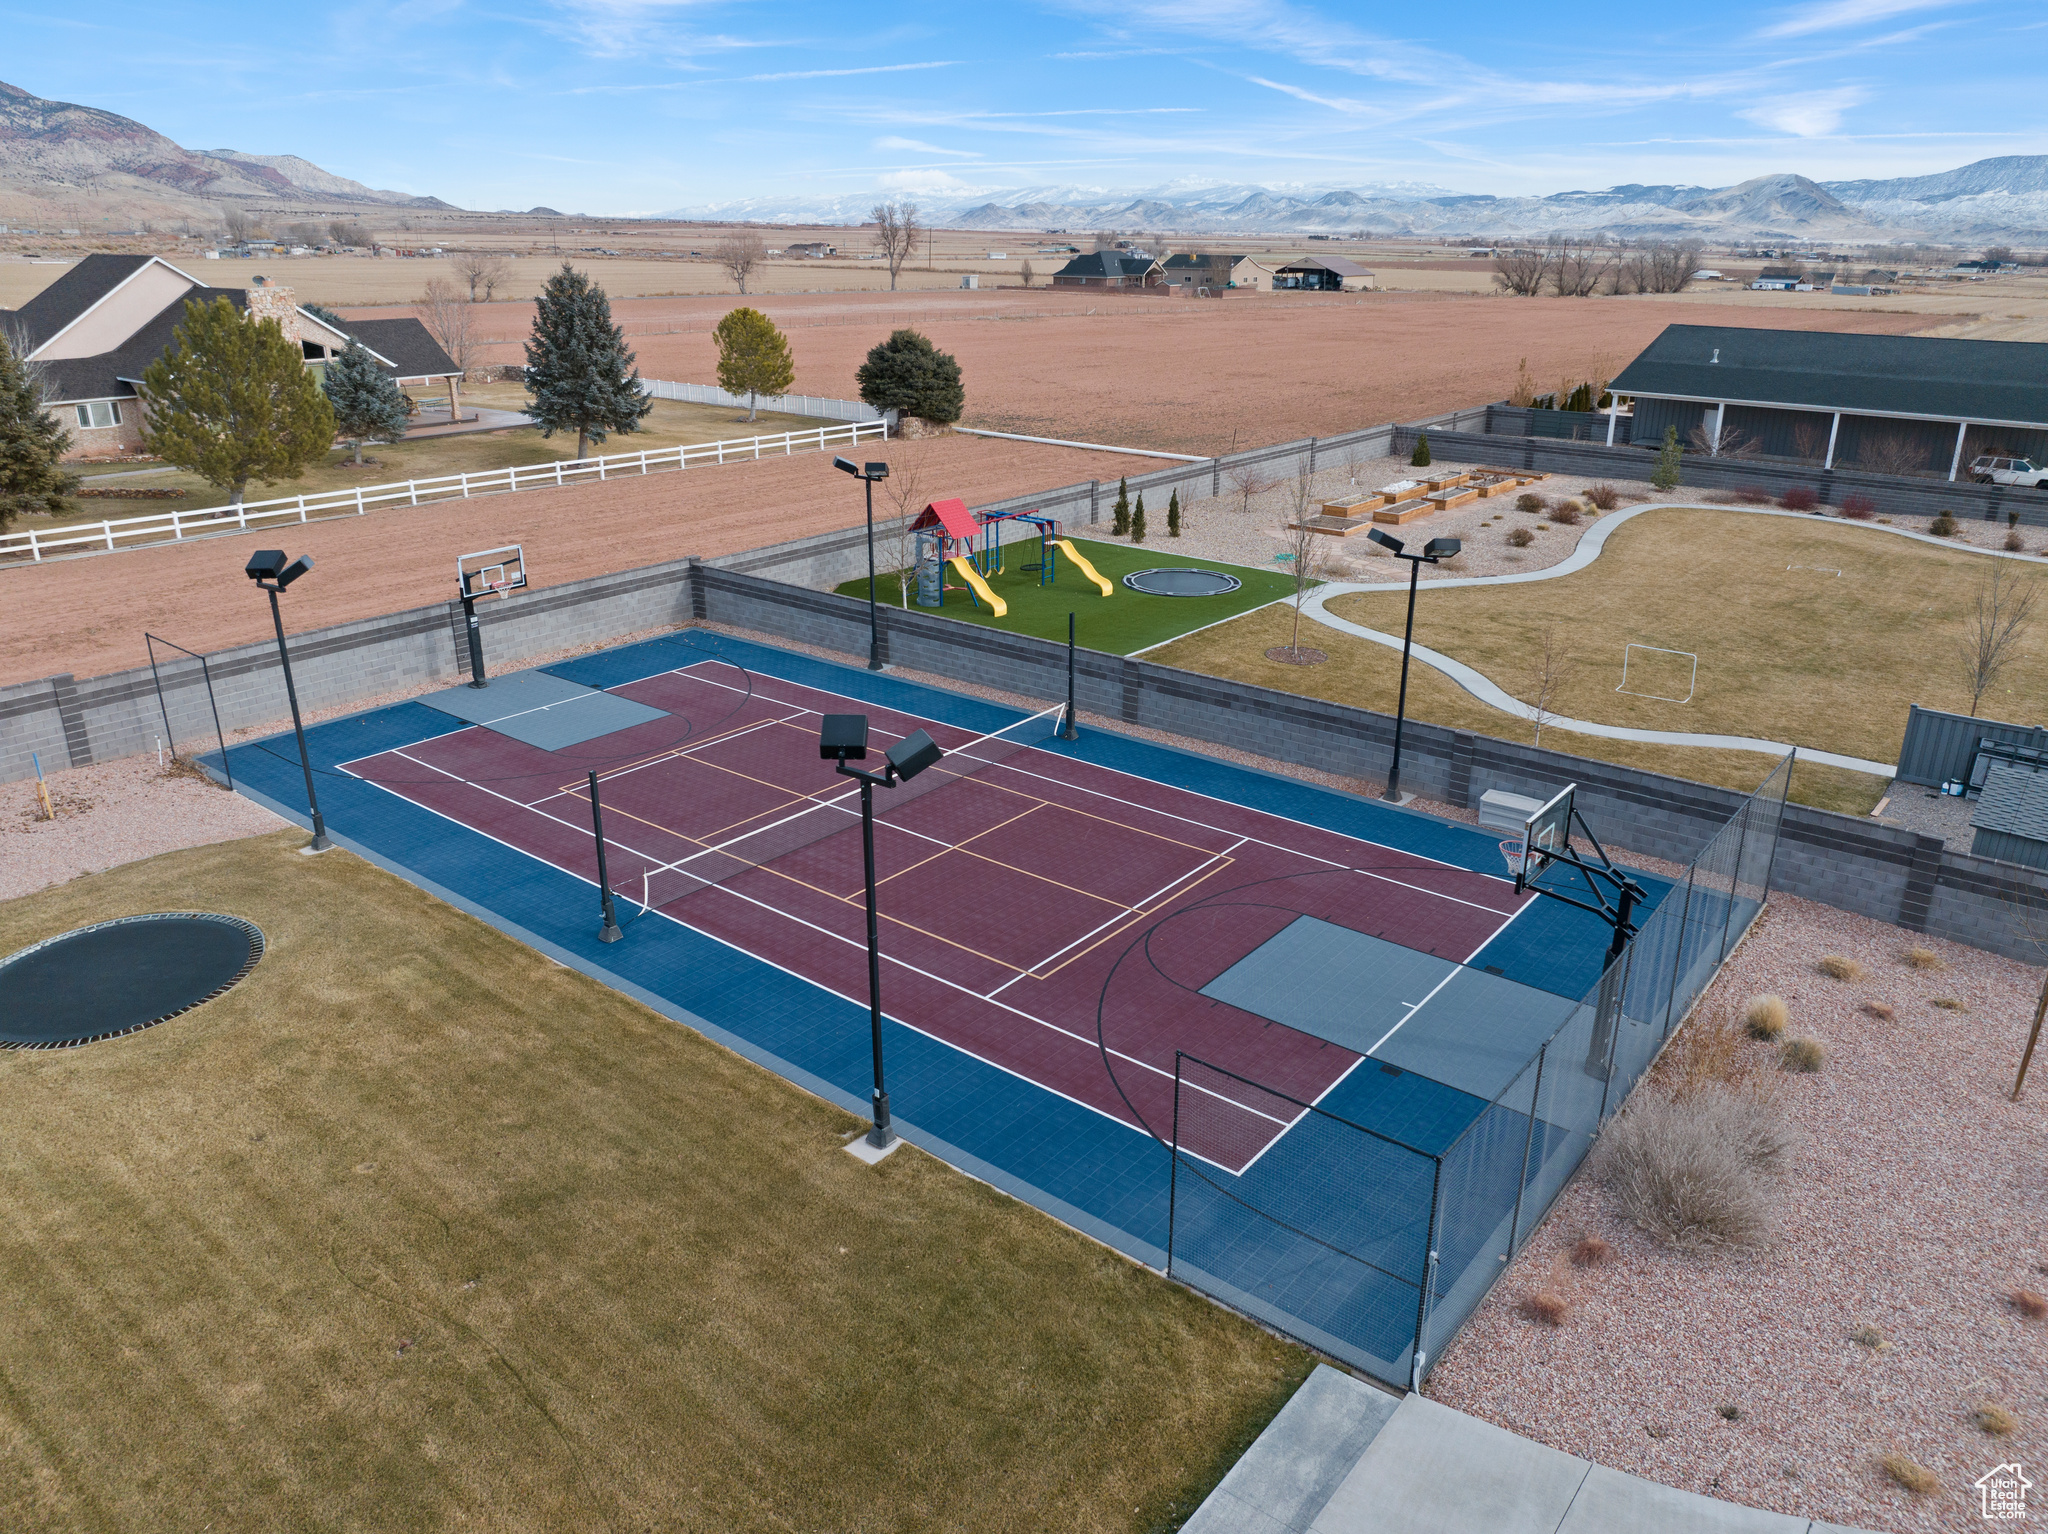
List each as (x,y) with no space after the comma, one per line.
(1670,462)
(1530,502)
(1908,1472)
(1753,495)
(1861,507)
(1566,514)
(2014,543)
(1804,1055)
(1606,497)
(1730,1412)
(1590,1252)
(1870,1337)
(1765,1017)
(1924,958)
(1799,498)
(1699,1170)
(1835,967)
(1879,1010)
(1943,526)
(2029,1304)
(1420,457)
(1546,1306)
(2012,519)
(1995,1419)
(1520,538)
(1947,1004)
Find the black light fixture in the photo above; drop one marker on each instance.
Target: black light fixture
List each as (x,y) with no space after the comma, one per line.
(843,738)
(1432,552)
(269,569)
(868,474)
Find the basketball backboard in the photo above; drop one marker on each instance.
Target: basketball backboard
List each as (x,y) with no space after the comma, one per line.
(499,571)
(1545,834)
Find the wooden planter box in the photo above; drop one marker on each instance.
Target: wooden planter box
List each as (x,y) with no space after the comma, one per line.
(1404,511)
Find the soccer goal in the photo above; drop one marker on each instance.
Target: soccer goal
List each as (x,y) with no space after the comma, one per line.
(1658,667)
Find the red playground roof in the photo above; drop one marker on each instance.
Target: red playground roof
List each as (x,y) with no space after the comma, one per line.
(953,516)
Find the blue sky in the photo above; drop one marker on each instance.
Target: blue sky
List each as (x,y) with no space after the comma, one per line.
(624,106)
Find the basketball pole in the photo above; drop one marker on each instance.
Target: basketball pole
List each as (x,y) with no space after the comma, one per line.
(1070,732)
(880,1134)
(609,932)
(476,649)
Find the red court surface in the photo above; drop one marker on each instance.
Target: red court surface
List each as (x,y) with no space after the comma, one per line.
(1013,881)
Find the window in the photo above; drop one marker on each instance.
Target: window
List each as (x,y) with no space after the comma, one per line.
(100,413)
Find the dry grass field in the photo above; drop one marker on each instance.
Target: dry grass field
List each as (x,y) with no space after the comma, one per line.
(416,1229)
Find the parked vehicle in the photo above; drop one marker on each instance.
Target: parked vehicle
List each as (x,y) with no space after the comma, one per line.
(1989,470)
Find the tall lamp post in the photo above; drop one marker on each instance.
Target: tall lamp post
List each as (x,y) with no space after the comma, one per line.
(867,474)
(1433,551)
(844,738)
(269,570)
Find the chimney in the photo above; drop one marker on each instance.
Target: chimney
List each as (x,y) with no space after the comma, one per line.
(267,301)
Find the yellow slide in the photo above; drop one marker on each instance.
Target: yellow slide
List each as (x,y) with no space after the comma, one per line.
(979,587)
(1067,548)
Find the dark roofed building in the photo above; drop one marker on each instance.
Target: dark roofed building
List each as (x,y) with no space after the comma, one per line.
(1323,274)
(1914,404)
(1109,269)
(2011,819)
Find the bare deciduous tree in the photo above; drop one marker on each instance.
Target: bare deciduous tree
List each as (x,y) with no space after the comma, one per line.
(1732,443)
(1656,266)
(905,489)
(1027,273)
(241,223)
(1521,272)
(1549,669)
(1576,266)
(348,232)
(1217,270)
(896,231)
(451,319)
(739,251)
(1891,452)
(1995,628)
(1809,441)
(1304,544)
(482,269)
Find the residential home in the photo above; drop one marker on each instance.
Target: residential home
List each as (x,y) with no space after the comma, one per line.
(96,328)
(1109,269)
(1323,274)
(1242,274)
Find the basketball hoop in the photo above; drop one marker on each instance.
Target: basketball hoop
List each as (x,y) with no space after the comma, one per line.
(1516,852)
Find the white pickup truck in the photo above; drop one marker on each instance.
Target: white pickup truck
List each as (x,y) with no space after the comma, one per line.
(2008,471)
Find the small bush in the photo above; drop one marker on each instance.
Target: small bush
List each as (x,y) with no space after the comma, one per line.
(1870,1337)
(1699,1170)
(1835,967)
(1590,1252)
(1605,496)
(1995,1419)
(1520,538)
(1860,507)
(1546,1307)
(1924,958)
(1753,495)
(1765,1017)
(1566,513)
(1530,502)
(1879,1010)
(1730,1412)
(1802,1055)
(1799,498)
(1943,526)
(1373,550)
(1947,1004)
(2029,1304)
(2014,543)
(1908,1472)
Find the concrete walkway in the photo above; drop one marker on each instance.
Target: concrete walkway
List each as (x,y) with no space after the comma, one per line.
(1588,550)
(1345,1458)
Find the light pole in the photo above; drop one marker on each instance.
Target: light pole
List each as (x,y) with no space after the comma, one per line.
(844,738)
(1434,550)
(268,569)
(867,474)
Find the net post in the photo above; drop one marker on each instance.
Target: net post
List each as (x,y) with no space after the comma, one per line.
(1678,958)
(1069,731)
(1528,1145)
(1735,875)
(149,644)
(1418,1355)
(1173,1165)
(609,932)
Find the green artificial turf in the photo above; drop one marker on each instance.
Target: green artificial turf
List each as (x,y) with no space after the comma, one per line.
(1121,624)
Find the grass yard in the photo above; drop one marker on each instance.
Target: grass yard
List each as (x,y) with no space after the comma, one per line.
(1121,624)
(415,1229)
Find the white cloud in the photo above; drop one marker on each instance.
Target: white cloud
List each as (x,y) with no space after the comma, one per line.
(871,69)
(893,142)
(1810,116)
(934,181)
(1829,15)
(1334,103)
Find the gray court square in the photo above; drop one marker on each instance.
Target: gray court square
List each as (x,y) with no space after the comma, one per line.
(542,710)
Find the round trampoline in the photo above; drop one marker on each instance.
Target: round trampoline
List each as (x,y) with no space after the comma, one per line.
(1182,582)
(121,976)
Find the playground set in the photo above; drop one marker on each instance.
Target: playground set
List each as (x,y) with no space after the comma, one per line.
(970,543)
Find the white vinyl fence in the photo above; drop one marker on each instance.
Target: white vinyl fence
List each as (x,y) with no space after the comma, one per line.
(36,544)
(786,404)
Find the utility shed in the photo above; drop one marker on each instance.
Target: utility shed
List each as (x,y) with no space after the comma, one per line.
(2011,820)
(1889,404)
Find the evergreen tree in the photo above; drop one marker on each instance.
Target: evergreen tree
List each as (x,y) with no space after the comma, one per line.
(579,369)
(368,405)
(322,312)
(1120,515)
(231,401)
(1665,475)
(1173,515)
(32,444)
(1138,520)
(907,373)
(753,357)
(1420,458)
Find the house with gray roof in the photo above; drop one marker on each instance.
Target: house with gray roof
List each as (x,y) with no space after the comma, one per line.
(95,329)
(1892,404)
(1110,269)
(2011,818)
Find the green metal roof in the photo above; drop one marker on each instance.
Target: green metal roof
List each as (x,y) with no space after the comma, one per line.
(1915,377)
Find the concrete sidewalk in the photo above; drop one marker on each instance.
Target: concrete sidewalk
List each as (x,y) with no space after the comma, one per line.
(1345,1458)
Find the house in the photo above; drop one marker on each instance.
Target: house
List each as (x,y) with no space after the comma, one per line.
(96,328)
(816,250)
(1323,274)
(1894,404)
(1109,269)
(1193,269)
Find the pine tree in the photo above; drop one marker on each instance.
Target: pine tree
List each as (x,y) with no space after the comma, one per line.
(1420,458)
(1665,475)
(579,369)
(1173,516)
(753,357)
(906,373)
(1120,514)
(231,401)
(368,405)
(1138,520)
(32,476)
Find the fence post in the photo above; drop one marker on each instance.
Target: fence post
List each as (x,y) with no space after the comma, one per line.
(1173,1167)
(302,508)
(1417,1355)
(412,490)
(1528,1144)
(1778,835)
(465,487)
(1678,959)
(1735,874)
(558,471)
(108,529)
(359,500)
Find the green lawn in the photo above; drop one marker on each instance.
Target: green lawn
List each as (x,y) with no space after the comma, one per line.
(417,1230)
(1121,624)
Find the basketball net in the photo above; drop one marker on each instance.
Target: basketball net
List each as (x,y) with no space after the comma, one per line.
(1516,852)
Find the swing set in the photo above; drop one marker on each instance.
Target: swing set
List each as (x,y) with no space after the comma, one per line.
(947,536)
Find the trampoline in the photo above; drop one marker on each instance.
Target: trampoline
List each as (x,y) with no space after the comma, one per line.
(1182,582)
(121,976)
